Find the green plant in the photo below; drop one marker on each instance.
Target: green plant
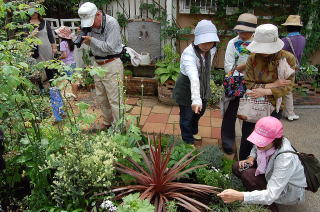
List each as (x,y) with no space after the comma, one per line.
(212,156)
(85,166)
(216,93)
(171,206)
(156,180)
(168,68)
(133,203)
(127,73)
(252,208)
(179,151)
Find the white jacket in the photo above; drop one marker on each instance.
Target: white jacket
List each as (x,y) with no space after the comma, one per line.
(189,66)
(285,177)
(231,54)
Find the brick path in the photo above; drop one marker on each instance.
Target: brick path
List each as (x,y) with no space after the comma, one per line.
(160,118)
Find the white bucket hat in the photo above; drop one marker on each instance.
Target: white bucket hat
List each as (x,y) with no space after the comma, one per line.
(266,40)
(87,13)
(205,32)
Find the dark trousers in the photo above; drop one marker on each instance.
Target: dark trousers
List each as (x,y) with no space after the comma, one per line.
(252,182)
(189,121)
(247,129)
(228,127)
(248,178)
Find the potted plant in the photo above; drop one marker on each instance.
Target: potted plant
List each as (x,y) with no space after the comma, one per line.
(166,73)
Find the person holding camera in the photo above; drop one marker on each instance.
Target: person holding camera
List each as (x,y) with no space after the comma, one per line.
(268,176)
(102,33)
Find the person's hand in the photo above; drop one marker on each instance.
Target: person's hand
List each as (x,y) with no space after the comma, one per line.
(250,161)
(258,92)
(87,39)
(54,48)
(196,109)
(241,67)
(230,195)
(279,83)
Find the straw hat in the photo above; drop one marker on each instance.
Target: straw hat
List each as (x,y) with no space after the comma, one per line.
(293,20)
(64,32)
(246,23)
(205,32)
(266,40)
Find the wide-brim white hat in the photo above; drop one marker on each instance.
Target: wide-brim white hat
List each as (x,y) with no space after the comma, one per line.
(266,40)
(205,32)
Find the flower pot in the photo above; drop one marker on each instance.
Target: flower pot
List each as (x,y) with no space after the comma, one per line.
(165,92)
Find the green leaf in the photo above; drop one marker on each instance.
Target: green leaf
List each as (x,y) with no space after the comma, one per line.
(25,141)
(160,71)
(83,106)
(164,78)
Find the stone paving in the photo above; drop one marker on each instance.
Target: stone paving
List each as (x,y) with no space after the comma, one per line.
(159,118)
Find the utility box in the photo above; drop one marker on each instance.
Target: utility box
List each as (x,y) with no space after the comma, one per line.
(144,36)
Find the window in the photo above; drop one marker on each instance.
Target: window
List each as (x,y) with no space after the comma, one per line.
(197,6)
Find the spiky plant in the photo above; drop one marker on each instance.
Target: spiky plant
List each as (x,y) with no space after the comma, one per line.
(158,183)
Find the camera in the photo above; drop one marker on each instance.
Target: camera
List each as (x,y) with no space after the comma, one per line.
(245,167)
(84,31)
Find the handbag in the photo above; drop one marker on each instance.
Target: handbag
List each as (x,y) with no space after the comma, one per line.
(234,84)
(311,167)
(251,109)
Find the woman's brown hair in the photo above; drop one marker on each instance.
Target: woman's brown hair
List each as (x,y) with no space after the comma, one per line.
(277,143)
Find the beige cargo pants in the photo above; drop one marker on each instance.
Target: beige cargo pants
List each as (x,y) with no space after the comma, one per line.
(107,90)
(289,109)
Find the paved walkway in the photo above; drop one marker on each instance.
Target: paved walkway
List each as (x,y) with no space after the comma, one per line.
(159,118)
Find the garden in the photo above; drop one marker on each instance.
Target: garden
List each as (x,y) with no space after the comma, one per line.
(67,166)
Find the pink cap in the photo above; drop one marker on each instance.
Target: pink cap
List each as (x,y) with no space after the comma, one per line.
(266,130)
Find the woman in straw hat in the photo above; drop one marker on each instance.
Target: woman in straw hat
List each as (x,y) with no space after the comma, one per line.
(235,59)
(294,43)
(269,177)
(262,75)
(192,89)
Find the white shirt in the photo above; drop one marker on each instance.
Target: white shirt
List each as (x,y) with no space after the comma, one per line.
(189,66)
(231,54)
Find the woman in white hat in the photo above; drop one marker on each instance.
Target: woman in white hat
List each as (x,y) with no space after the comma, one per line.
(192,88)
(235,60)
(262,75)
(294,43)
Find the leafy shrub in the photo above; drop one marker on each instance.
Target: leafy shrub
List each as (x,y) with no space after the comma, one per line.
(157,181)
(171,206)
(252,208)
(212,156)
(133,203)
(216,93)
(168,68)
(85,164)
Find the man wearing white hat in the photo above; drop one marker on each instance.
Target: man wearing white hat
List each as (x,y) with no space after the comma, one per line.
(106,45)
(235,62)
(192,88)
(262,75)
(294,43)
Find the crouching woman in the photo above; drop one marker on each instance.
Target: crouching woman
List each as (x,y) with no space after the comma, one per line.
(269,177)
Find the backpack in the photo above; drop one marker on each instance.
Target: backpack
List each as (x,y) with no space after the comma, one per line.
(311,167)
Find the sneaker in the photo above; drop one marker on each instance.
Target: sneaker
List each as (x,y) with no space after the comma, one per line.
(197,137)
(293,117)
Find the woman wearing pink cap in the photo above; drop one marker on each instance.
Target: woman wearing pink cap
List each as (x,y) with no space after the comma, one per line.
(269,177)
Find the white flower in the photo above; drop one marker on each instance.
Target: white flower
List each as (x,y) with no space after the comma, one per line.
(107,204)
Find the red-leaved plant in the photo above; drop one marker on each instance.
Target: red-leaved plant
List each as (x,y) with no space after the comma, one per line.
(158,183)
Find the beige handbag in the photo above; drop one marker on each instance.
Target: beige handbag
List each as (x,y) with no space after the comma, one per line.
(251,109)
